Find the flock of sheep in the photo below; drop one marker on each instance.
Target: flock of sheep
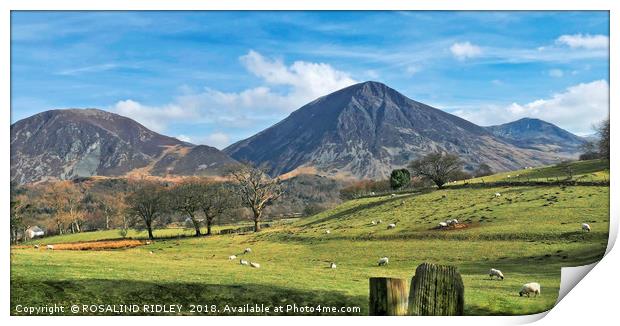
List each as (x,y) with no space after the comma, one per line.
(243,261)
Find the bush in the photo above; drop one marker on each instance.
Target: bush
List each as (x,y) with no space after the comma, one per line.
(400,178)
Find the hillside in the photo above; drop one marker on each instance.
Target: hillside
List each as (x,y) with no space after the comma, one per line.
(539,135)
(524,227)
(368,129)
(64,144)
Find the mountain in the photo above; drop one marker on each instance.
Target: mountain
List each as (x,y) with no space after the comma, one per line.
(64,144)
(540,135)
(368,129)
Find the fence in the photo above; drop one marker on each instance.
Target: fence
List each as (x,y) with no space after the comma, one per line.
(435,290)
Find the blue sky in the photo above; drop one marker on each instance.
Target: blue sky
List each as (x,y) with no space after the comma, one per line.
(217,77)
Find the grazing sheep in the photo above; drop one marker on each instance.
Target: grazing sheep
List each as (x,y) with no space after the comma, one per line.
(393,195)
(383,261)
(373,222)
(49,247)
(451,222)
(243,262)
(497,273)
(497,194)
(247,250)
(585,227)
(529,288)
(455,221)
(328,231)
(36,246)
(391,226)
(232,257)
(443,224)
(332,265)
(255,265)
(148,242)
(150,252)
(379,222)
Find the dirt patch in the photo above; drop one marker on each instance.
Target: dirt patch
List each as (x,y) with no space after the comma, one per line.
(92,245)
(452,228)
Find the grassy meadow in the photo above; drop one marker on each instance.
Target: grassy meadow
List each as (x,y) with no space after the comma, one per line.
(529,233)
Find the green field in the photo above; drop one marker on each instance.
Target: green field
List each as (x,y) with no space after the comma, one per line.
(529,233)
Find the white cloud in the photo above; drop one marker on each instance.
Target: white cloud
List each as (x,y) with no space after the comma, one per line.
(576,109)
(584,41)
(557,73)
(412,70)
(217,139)
(88,69)
(465,50)
(284,89)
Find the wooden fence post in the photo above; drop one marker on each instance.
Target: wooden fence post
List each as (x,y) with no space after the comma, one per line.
(436,290)
(388,296)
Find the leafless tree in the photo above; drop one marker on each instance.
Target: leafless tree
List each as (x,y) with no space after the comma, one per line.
(256,190)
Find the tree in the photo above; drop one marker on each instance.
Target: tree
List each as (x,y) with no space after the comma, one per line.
(566,167)
(483,170)
(438,167)
(216,199)
(589,150)
(400,178)
(147,201)
(256,190)
(19,207)
(186,197)
(65,201)
(603,144)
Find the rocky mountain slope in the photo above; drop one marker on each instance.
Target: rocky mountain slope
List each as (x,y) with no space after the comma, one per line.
(366,130)
(540,135)
(64,144)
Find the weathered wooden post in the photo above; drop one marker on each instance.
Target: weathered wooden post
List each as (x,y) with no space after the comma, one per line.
(388,296)
(436,290)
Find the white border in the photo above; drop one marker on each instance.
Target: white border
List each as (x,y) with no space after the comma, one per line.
(592,300)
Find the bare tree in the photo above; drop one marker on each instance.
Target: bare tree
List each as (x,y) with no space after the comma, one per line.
(603,144)
(438,167)
(216,199)
(65,200)
(187,197)
(256,190)
(148,202)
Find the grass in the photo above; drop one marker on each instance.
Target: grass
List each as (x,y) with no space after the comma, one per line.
(529,233)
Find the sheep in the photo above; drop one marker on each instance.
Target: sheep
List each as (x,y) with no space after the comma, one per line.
(373,222)
(383,261)
(255,265)
(391,226)
(497,273)
(49,247)
(36,246)
(150,252)
(148,242)
(393,195)
(332,265)
(443,224)
(585,227)
(497,194)
(328,231)
(455,221)
(529,288)
(379,222)
(243,262)
(232,257)
(451,222)
(247,251)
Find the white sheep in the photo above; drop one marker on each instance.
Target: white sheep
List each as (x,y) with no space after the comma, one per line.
(383,261)
(497,194)
(373,222)
(497,273)
(391,226)
(529,288)
(150,252)
(393,195)
(148,242)
(332,265)
(232,257)
(451,222)
(379,222)
(455,221)
(443,224)
(49,247)
(36,246)
(243,262)
(255,265)
(328,231)
(585,227)
(247,250)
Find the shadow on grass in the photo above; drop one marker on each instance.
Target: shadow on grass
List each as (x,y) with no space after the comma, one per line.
(128,292)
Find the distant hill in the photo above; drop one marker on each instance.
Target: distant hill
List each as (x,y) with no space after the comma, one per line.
(540,135)
(64,144)
(366,130)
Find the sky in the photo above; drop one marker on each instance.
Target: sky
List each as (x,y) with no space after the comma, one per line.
(218,77)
